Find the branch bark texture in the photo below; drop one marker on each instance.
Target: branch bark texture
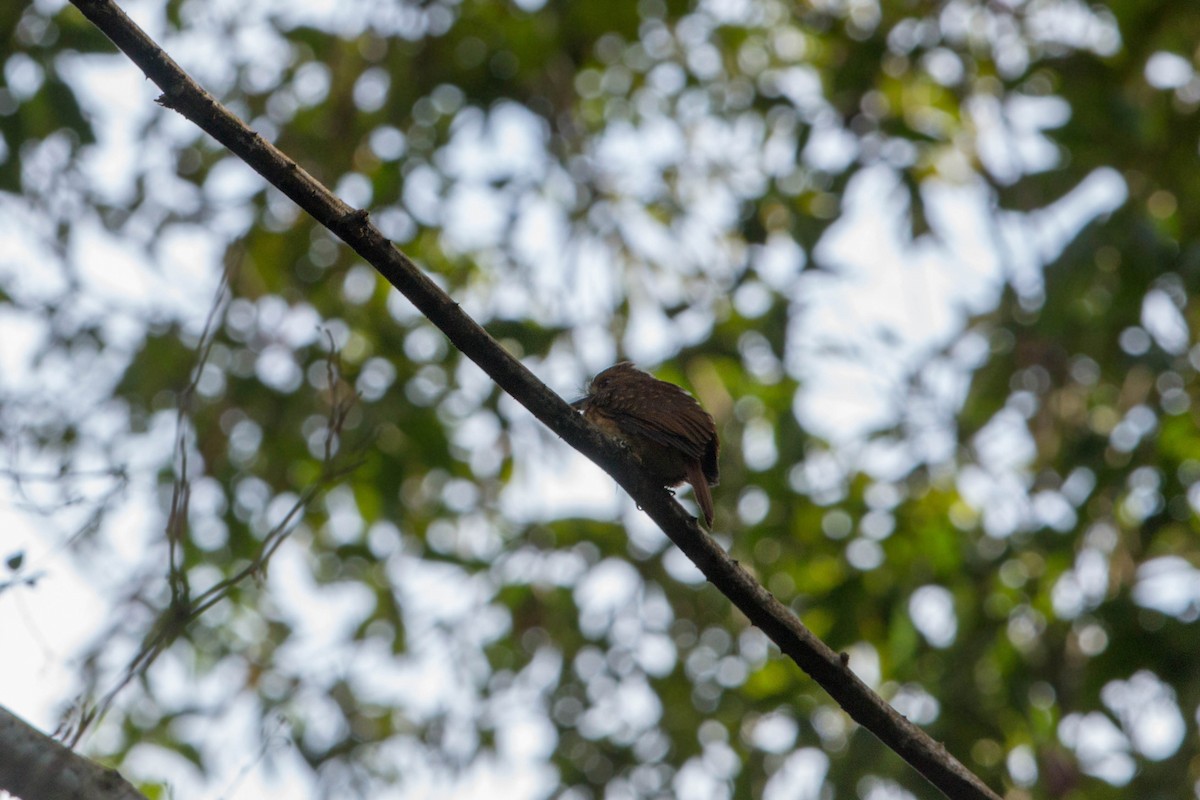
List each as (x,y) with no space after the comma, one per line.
(827,668)
(35,767)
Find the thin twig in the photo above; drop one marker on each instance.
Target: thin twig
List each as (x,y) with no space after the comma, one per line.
(182,609)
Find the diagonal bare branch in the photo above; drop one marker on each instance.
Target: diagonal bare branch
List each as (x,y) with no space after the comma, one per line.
(829,669)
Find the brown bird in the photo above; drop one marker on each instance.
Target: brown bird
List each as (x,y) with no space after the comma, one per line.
(672,436)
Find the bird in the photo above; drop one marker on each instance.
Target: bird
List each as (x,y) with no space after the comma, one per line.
(665,428)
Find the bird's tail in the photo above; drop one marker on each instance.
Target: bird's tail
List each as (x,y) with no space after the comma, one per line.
(695,476)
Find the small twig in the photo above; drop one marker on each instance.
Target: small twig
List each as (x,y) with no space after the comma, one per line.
(182,608)
(181,490)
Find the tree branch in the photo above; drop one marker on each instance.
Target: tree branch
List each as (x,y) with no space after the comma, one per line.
(35,767)
(827,668)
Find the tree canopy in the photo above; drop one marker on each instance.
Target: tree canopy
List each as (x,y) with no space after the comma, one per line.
(929,265)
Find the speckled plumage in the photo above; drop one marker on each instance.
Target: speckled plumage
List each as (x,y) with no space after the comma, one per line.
(670,433)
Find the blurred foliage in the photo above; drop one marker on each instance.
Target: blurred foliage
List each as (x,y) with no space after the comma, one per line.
(576,174)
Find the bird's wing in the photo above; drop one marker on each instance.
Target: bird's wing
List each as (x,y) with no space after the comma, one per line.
(688,429)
